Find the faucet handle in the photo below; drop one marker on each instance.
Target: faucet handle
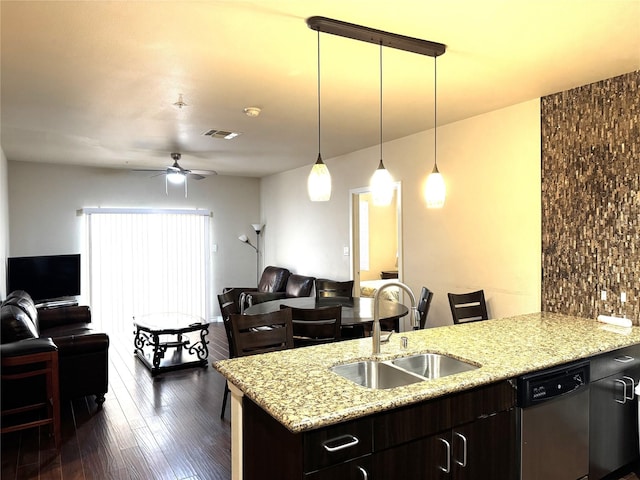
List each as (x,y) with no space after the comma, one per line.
(416,318)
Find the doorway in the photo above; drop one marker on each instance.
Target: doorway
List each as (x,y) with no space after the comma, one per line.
(376,240)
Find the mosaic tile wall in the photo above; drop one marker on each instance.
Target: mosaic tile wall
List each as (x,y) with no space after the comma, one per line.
(591,199)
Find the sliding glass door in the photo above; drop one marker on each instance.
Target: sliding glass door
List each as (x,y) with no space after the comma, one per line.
(144,261)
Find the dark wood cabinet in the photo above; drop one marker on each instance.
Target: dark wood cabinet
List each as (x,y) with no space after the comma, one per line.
(485,448)
(469,435)
(613,411)
(476,437)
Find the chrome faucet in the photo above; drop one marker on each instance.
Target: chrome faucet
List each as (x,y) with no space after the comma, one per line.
(375,335)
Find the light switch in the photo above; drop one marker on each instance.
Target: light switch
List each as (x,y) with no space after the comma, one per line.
(345,251)
(623,297)
(603,295)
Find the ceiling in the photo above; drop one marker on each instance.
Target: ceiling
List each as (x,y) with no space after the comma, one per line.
(95,82)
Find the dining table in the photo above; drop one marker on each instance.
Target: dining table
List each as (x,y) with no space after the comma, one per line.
(355,311)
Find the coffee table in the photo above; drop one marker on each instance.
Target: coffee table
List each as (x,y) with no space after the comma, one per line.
(155,333)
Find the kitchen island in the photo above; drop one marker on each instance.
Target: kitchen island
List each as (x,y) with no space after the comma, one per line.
(297,388)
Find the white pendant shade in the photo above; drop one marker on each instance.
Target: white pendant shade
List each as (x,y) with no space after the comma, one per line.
(435,190)
(319,182)
(381,186)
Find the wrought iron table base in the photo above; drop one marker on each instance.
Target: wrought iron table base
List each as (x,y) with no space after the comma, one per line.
(151,350)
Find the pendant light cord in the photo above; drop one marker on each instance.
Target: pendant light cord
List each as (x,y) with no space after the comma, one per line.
(319,124)
(380,101)
(435,112)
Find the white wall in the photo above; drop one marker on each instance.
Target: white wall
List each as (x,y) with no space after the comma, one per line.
(487,236)
(44,200)
(4,224)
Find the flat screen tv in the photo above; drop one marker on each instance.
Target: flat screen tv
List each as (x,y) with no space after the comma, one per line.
(46,277)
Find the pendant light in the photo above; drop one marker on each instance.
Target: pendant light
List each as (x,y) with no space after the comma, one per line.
(381,181)
(319,180)
(435,189)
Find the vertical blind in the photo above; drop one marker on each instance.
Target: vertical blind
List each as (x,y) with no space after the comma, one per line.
(145,261)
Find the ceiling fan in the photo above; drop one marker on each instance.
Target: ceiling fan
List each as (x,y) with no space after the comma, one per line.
(177,175)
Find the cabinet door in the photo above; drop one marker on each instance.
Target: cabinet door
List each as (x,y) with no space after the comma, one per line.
(425,459)
(357,469)
(485,448)
(613,424)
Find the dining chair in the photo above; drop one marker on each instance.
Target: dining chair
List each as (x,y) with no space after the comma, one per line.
(228,305)
(262,332)
(339,291)
(334,289)
(424,303)
(313,326)
(468,307)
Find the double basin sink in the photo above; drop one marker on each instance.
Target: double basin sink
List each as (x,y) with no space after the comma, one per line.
(401,371)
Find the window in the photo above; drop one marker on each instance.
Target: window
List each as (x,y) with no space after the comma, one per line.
(143,261)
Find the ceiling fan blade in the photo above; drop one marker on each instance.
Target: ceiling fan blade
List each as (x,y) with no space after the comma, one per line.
(195,176)
(204,172)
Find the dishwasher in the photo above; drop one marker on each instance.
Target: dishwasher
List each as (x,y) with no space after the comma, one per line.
(553,423)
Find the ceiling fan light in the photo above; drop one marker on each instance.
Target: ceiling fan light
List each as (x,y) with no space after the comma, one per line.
(176,178)
(434,189)
(319,182)
(381,186)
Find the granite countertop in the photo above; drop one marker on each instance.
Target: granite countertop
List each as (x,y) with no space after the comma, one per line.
(297,388)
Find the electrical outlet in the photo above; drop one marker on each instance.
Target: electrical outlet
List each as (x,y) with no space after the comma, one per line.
(623,297)
(603,295)
(214,247)
(345,251)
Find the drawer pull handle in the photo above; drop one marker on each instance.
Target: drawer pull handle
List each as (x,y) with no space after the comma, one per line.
(624,391)
(351,442)
(365,475)
(447,445)
(462,463)
(633,385)
(625,359)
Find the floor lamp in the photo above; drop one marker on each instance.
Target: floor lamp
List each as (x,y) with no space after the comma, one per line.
(243,238)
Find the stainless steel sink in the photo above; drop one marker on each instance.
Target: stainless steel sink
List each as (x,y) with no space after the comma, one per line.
(378,375)
(401,371)
(433,365)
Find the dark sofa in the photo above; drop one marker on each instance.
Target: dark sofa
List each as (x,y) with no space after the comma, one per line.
(275,283)
(83,353)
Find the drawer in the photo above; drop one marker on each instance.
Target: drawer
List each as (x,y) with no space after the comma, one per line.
(336,444)
(360,468)
(410,423)
(482,402)
(615,362)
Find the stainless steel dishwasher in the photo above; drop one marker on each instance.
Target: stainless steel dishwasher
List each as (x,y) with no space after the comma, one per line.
(553,423)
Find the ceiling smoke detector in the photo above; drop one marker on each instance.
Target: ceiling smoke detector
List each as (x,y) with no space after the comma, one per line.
(252,111)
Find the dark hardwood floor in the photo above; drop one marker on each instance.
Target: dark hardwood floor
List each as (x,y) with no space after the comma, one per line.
(163,427)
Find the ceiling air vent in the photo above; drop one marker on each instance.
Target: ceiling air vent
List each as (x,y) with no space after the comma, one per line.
(227,135)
